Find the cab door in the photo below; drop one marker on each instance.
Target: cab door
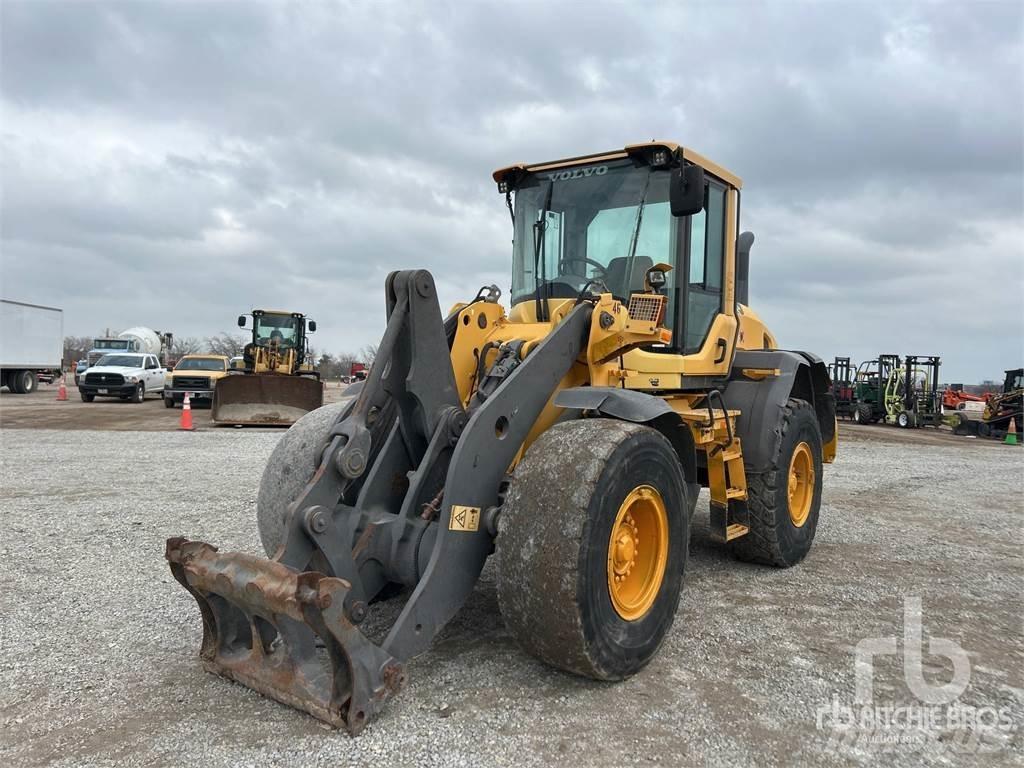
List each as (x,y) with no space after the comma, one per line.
(708,292)
(154,374)
(701,302)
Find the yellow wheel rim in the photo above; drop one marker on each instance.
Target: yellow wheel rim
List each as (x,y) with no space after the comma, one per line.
(801,484)
(637,552)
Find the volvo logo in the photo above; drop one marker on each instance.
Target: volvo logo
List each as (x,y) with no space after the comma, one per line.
(577,173)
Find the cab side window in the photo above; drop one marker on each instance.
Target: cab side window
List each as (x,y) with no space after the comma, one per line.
(706,255)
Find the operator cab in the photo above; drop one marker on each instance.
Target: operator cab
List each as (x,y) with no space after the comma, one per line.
(284,329)
(600,223)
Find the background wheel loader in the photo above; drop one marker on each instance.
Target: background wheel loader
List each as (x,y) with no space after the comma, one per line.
(568,435)
(276,384)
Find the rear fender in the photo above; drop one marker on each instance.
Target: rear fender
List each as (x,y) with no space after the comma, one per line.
(761,399)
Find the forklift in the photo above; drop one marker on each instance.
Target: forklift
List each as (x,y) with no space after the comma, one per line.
(841,373)
(870,387)
(922,400)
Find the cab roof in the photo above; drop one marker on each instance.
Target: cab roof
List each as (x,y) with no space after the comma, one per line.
(714,169)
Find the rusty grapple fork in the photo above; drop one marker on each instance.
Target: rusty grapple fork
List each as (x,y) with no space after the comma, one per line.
(289,627)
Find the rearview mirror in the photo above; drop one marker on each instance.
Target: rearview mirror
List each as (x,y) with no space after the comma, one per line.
(312,326)
(686,191)
(241,321)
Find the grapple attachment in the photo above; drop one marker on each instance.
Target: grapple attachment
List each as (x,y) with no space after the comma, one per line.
(268,400)
(285,634)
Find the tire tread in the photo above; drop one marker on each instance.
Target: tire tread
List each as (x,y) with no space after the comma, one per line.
(762,544)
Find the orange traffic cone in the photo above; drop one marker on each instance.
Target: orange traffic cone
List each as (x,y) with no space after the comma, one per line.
(1011,433)
(186,414)
(62,390)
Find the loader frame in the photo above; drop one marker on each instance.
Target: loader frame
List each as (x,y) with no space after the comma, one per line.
(407,422)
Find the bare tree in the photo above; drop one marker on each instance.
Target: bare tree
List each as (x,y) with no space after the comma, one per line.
(76,348)
(327,365)
(186,345)
(369,354)
(224,343)
(344,362)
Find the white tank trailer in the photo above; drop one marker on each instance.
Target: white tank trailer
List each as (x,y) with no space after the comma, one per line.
(137,339)
(146,339)
(31,343)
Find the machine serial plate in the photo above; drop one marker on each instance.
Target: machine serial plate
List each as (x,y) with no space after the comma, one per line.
(464,518)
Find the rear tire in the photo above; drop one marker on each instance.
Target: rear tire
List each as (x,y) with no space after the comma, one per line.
(86,397)
(783,523)
(558,555)
(29,383)
(862,414)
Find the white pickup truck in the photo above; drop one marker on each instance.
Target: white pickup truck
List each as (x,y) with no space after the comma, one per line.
(128,375)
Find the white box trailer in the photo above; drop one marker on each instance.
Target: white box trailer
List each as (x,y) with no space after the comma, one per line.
(31,342)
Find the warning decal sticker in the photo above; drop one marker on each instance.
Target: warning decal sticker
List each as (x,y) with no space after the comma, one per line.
(464,518)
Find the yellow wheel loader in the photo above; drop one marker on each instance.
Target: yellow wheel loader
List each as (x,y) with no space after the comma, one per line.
(276,383)
(567,435)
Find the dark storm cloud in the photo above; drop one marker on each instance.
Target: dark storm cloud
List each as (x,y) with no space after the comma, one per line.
(174,164)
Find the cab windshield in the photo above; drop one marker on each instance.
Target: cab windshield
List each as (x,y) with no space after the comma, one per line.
(578,225)
(120,361)
(112,344)
(200,364)
(280,328)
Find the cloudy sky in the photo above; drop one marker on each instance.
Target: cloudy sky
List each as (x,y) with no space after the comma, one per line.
(175,164)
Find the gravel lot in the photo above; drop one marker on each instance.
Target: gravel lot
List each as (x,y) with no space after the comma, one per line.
(98,644)
(42,410)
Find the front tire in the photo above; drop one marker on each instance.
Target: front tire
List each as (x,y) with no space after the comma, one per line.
(168,402)
(139,394)
(592,545)
(291,466)
(785,501)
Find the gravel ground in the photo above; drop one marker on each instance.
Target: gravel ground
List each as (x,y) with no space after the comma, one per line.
(42,410)
(98,644)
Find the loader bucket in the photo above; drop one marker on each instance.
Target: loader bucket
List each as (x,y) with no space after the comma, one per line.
(268,400)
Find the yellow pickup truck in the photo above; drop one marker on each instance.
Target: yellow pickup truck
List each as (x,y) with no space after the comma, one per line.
(195,374)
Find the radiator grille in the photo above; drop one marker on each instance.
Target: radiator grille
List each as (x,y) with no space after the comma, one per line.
(191,382)
(113,379)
